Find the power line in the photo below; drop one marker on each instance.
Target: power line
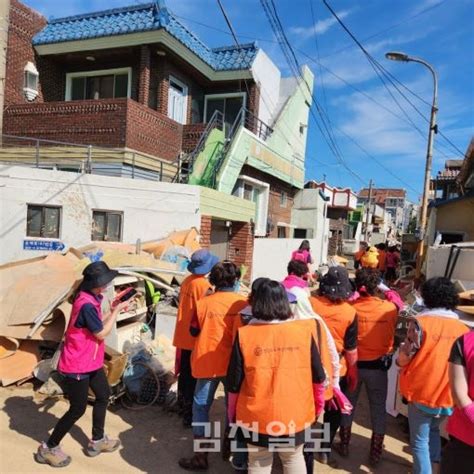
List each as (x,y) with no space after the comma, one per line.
(375,64)
(318,62)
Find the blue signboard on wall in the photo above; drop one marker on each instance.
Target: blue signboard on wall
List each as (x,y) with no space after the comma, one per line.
(48,245)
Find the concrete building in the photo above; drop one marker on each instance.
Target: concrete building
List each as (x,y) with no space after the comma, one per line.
(453,218)
(133,92)
(444,185)
(393,200)
(47,210)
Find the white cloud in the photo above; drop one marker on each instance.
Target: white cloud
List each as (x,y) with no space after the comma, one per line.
(319,28)
(424,5)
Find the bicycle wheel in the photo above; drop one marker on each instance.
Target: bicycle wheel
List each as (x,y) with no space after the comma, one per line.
(147,391)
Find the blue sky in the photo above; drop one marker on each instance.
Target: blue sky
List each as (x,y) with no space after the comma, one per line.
(440,31)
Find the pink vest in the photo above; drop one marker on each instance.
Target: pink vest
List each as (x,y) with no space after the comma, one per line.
(82,352)
(458,425)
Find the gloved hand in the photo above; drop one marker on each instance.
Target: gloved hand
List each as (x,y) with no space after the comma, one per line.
(342,403)
(468,412)
(352,377)
(318,392)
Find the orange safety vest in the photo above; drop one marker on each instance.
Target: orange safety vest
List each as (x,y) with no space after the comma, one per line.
(376,321)
(276,396)
(425,379)
(219,319)
(320,337)
(382,256)
(338,317)
(193,288)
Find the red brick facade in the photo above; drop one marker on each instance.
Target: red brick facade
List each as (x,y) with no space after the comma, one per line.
(241,246)
(240,249)
(191,135)
(109,122)
(205,232)
(24,24)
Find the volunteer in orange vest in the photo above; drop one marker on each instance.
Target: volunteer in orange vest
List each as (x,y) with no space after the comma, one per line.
(457,457)
(275,382)
(214,326)
(382,257)
(193,288)
(376,321)
(340,317)
(424,380)
(363,246)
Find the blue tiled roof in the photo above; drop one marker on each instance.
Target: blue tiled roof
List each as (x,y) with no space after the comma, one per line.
(140,18)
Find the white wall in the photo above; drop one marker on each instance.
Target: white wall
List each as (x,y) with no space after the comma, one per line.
(268,76)
(151,210)
(280,251)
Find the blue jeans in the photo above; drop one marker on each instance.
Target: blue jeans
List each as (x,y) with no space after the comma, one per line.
(203,398)
(425,439)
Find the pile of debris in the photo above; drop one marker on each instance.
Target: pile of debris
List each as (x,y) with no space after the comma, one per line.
(35,302)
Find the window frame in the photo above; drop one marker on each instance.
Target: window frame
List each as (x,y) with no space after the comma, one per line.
(43,208)
(185,88)
(262,203)
(229,95)
(100,72)
(107,212)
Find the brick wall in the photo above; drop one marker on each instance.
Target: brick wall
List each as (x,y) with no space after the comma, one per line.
(241,246)
(106,122)
(24,24)
(191,135)
(86,122)
(152,132)
(205,231)
(276,213)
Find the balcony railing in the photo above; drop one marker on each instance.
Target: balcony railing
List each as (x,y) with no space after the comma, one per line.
(64,156)
(104,123)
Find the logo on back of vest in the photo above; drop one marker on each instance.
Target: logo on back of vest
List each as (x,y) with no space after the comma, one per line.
(258,351)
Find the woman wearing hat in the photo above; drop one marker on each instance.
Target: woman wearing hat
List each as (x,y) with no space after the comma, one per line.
(376,321)
(340,317)
(81,363)
(193,289)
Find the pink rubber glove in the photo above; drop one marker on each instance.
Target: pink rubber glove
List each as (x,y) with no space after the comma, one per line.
(331,405)
(177,362)
(352,377)
(468,412)
(232,406)
(343,404)
(395,298)
(318,393)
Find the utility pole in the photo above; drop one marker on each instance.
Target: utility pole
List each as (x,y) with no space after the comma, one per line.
(368,212)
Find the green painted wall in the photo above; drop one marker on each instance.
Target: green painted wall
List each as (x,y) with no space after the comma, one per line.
(222,206)
(205,163)
(283,153)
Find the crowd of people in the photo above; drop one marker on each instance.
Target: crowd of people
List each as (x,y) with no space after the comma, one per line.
(286,355)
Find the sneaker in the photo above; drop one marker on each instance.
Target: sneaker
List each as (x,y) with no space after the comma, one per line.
(55,457)
(104,445)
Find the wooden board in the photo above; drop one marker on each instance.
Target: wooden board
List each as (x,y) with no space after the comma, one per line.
(20,365)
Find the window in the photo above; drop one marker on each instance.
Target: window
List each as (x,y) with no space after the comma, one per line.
(283,199)
(228,104)
(107,226)
(281,232)
(258,192)
(30,86)
(105,84)
(300,234)
(177,101)
(43,221)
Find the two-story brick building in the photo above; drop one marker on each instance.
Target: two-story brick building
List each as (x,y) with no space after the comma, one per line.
(137,83)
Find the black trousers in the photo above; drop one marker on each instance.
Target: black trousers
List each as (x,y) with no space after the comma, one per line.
(333,417)
(457,458)
(77,392)
(186,382)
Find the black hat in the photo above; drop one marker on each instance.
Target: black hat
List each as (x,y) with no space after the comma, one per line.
(97,274)
(335,284)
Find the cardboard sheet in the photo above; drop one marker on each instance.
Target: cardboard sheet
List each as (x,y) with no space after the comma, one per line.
(20,365)
(8,346)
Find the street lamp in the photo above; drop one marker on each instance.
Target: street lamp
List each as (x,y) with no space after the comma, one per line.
(403,57)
